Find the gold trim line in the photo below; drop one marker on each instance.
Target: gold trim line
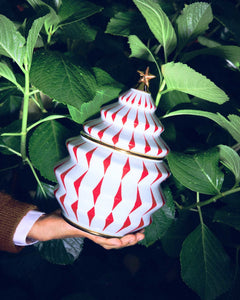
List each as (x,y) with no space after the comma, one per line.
(88,230)
(119,149)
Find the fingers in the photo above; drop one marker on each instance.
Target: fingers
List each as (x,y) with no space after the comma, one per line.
(117,243)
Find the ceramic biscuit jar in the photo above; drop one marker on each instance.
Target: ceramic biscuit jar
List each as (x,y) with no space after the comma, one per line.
(110,183)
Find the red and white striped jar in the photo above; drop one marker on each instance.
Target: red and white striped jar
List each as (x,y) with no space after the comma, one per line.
(110,183)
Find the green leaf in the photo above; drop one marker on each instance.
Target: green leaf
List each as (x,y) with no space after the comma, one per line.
(177,232)
(173,98)
(230,159)
(47,147)
(61,252)
(80,31)
(205,266)
(232,124)
(139,50)
(182,78)
(74,11)
(107,90)
(42,9)
(127,23)
(46,201)
(162,220)
(207,42)
(159,24)
(229,53)
(228,217)
(11,141)
(7,73)
(199,172)
(32,37)
(11,104)
(193,22)
(48,118)
(62,80)
(11,41)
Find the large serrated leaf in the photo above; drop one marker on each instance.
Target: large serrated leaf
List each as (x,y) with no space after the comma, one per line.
(162,220)
(127,23)
(47,147)
(61,252)
(177,232)
(7,73)
(193,21)
(62,80)
(43,8)
(107,90)
(139,50)
(74,11)
(205,266)
(172,99)
(230,159)
(159,24)
(12,43)
(81,31)
(32,37)
(199,172)
(182,78)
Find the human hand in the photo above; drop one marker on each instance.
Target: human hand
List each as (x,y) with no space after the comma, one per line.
(53,226)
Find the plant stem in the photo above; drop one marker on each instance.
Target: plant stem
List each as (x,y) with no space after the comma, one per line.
(160,92)
(213,199)
(165,57)
(36,177)
(49,35)
(199,208)
(25,113)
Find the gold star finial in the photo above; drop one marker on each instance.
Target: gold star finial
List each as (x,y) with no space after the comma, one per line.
(143,83)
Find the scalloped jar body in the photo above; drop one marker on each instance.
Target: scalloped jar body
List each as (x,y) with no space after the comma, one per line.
(108,192)
(110,183)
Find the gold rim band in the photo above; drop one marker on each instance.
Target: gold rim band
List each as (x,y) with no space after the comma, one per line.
(119,149)
(88,230)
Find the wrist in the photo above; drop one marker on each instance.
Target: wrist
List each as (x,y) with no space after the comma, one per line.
(53,226)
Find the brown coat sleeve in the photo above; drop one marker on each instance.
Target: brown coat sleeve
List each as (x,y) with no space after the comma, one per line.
(11,213)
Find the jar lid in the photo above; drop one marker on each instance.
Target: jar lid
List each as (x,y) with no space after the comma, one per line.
(131,124)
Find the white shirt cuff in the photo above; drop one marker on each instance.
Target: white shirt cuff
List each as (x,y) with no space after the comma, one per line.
(25,225)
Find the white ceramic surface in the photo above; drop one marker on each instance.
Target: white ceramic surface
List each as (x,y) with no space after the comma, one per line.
(110,183)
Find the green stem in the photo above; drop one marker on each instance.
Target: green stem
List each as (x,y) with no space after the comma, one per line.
(51,31)
(53,117)
(36,177)
(160,92)
(11,150)
(165,56)
(49,35)
(25,113)
(11,134)
(199,209)
(33,92)
(213,199)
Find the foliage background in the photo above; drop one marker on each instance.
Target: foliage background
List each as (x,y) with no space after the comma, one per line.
(86,53)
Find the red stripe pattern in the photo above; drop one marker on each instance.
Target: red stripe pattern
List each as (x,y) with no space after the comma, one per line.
(106,190)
